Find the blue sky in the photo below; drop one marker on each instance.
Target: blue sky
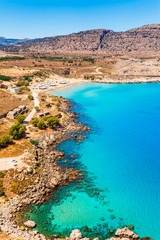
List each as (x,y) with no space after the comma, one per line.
(40,18)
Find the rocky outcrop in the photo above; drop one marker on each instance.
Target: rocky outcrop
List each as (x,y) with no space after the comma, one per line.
(125,232)
(30,224)
(121,234)
(76,235)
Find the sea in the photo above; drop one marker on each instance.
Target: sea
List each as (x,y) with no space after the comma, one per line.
(120,159)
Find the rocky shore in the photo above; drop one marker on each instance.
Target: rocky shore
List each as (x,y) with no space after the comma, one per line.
(45,176)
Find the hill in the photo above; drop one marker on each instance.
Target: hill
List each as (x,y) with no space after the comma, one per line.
(142,39)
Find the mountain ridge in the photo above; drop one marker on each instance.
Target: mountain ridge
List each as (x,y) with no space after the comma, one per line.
(145,38)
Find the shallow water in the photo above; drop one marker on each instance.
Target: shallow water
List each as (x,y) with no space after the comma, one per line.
(121,155)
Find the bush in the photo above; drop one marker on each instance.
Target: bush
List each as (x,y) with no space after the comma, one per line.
(30,97)
(24,89)
(37,108)
(53,121)
(2,174)
(5,78)
(41,125)
(5,140)
(45,118)
(20,118)
(17,131)
(34,122)
(26,83)
(1,192)
(16,187)
(22,83)
(12,58)
(26,77)
(34,142)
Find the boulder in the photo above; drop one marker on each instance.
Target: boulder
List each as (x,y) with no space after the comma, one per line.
(76,235)
(54,182)
(125,232)
(146,238)
(30,224)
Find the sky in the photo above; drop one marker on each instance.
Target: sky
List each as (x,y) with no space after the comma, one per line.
(44,18)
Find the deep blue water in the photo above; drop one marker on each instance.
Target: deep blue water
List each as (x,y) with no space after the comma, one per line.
(121,155)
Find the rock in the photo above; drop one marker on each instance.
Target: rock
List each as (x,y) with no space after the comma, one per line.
(22,228)
(130,227)
(75,235)
(30,224)
(125,232)
(146,238)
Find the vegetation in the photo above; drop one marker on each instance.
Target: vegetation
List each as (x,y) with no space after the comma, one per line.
(53,121)
(20,118)
(17,131)
(2,174)
(34,142)
(89,60)
(27,78)
(41,124)
(89,77)
(22,83)
(5,78)
(45,118)
(13,58)
(5,140)
(1,188)
(24,88)
(34,122)
(30,97)
(50,121)
(37,108)
(16,187)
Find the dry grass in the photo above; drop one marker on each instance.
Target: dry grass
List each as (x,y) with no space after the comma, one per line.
(15,149)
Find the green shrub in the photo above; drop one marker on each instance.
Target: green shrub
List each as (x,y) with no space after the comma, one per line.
(20,118)
(2,174)
(30,97)
(34,142)
(89,60)
(34,122)
(13,58)
(41,125)
(16,187)
(37,108)
(24,89)
(17,131)
(5,78)
(45,118)
(53,121)
(1,192)
(26,83)
(26,77)
(5,140)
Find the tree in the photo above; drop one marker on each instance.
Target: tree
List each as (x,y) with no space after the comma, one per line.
(34,122)
(20,118)
(17,131)
(41,125)
(53,121)
(5,140)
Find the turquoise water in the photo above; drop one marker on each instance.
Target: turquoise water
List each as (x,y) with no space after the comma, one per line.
(121,155)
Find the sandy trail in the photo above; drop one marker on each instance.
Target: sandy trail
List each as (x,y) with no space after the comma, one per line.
(6,163)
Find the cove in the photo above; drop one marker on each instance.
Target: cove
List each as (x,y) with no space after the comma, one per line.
(121,158)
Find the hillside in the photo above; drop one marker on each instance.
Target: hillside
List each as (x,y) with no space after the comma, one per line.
(142,39)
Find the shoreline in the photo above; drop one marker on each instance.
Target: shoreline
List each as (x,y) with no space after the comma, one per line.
(105,80)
